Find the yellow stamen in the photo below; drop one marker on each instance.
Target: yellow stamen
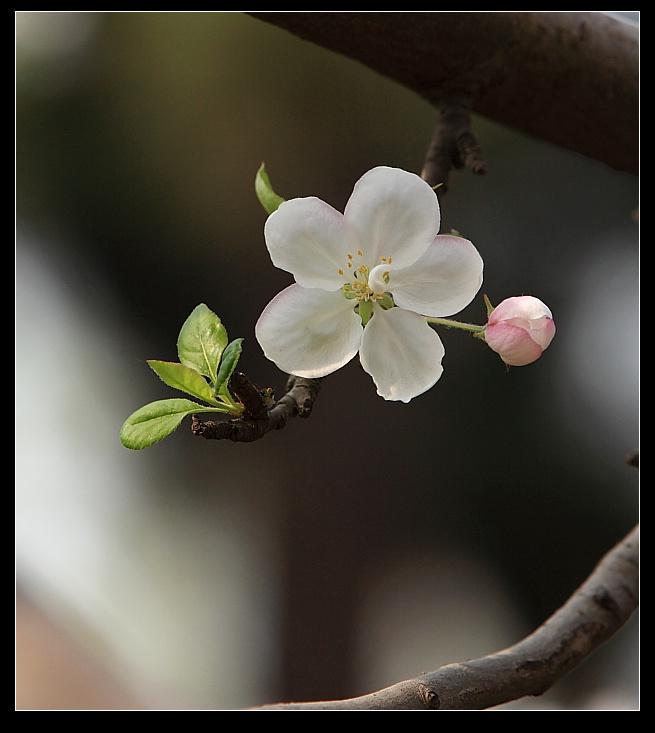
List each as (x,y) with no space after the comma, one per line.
(340,271)
(360,253)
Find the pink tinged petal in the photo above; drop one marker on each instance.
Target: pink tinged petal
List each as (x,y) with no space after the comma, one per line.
(443,281)
(309,332)
(513,343)
(307,238)
(522,306)
(394,214)
(541,330)
(402,354)
(543,334)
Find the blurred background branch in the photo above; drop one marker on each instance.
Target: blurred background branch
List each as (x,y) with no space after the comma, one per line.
(592,615)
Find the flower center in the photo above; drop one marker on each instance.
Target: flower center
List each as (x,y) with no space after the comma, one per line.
(359,288)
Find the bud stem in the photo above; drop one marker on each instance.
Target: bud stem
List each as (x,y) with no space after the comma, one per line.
(455,324)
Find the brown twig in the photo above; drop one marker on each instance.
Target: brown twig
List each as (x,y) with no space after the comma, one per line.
(258,418)
(597,609)
(453,145)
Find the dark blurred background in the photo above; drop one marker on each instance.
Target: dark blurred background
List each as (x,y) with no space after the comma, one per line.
(376,540)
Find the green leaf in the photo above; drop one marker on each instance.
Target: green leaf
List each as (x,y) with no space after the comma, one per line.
(265,193)
(230,359)
(201,341)
(151,423)
(183,378)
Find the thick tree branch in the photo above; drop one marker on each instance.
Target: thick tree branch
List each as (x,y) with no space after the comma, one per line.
(258,418)
(600,606)
(567,78)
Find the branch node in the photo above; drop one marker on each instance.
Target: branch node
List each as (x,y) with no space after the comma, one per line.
(429,697)
(249,395)
(453,144)
(603,598)
(258,418)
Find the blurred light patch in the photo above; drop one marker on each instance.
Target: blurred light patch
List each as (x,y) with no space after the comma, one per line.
(168,593)
(426,610)
(50,50)
(600,347)
(53,35)
(55,672)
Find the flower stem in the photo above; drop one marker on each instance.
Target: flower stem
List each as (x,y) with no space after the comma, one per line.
(455,324)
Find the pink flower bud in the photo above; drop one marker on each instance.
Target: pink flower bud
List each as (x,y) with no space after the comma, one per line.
(520,329)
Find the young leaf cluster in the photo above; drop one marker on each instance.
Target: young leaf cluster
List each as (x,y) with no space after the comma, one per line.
(206,364)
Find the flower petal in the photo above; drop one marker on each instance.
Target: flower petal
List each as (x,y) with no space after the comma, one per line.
(512,343)
(442,281)
(307,238)
(542,331)
(309,332)
(402,354)
(394,214)
(520,306)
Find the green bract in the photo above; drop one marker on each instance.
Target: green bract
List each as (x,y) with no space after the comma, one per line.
(204,355)
(265,193)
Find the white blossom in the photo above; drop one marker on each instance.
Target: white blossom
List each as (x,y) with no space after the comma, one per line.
(383,256)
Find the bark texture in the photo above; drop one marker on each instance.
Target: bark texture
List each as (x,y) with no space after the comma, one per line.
(567,78)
